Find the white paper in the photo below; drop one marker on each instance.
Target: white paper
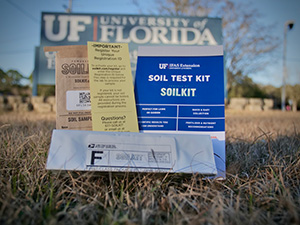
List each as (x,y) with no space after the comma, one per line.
(136,152)
(78,100)
(106,152)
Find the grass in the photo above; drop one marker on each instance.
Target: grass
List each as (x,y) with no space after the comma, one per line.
(262,185)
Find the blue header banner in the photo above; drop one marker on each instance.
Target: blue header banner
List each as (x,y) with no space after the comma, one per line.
(186,92)
(180,80)
(180,89)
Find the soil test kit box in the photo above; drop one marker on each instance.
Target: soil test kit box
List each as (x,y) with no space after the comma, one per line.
(180,90)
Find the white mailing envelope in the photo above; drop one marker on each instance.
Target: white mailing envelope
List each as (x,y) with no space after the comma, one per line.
(135,152)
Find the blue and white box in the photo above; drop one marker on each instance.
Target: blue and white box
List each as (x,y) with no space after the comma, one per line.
(180,89)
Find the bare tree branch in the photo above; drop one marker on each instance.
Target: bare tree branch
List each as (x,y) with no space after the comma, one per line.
(247,42)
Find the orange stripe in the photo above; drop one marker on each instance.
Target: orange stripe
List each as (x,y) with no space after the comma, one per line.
(95,28)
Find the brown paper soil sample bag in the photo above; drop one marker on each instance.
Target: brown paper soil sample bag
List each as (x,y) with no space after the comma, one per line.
(73,106)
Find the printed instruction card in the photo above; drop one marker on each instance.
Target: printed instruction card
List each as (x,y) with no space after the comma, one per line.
(111,88)
(180,89)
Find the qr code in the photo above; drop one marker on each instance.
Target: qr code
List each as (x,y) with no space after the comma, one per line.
(84,97)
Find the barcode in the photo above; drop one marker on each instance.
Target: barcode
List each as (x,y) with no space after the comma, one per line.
(159,157)
(84,97)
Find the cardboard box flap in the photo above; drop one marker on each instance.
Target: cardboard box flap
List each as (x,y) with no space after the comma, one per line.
(68,51)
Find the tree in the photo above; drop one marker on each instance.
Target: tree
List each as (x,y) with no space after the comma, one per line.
(3,78)
(273,93)
(14,77)
(185,7)
(245,87)
(293,93)
(247,42)
(10,79)
(30,78)
(4,81)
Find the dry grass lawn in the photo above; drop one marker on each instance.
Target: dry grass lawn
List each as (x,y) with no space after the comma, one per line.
(262,185)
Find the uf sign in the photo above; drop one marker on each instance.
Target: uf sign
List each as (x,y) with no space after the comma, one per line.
(77,29)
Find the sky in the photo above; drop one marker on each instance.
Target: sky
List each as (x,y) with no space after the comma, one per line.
(20,30)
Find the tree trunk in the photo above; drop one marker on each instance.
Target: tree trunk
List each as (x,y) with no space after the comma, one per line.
(294,105)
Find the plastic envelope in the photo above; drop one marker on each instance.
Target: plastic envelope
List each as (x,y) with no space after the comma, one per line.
(134,152)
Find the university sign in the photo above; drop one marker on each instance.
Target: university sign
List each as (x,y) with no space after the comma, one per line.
(137,30)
